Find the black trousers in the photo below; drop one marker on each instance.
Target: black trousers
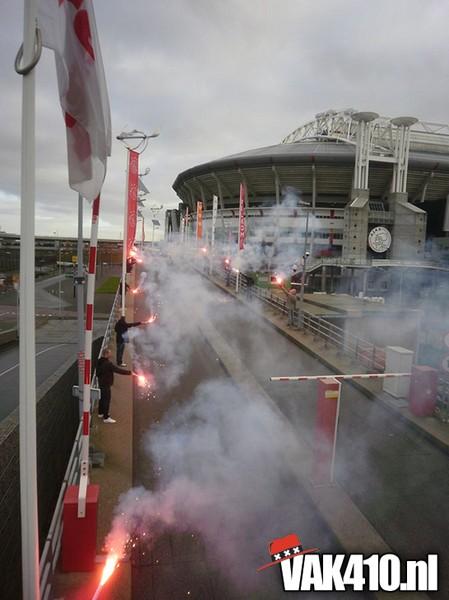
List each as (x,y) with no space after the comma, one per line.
(120,351)
(105,401)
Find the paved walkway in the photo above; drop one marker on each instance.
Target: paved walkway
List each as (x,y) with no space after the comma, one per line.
(332,357)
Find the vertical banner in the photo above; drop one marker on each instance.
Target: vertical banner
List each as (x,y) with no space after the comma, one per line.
(199,220)
(186,224)
(242,226)
(133,185)
(214,218)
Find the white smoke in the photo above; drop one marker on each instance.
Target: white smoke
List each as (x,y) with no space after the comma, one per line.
(224,463)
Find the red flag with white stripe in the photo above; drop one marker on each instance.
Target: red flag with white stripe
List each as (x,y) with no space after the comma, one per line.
(68,27)
(242,220)
(133,175)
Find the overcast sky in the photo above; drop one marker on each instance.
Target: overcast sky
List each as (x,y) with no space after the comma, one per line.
(217,77)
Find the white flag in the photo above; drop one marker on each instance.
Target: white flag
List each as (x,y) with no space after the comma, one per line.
(68,27)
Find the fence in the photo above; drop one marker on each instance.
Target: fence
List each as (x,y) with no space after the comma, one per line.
(361,350)
(52,546)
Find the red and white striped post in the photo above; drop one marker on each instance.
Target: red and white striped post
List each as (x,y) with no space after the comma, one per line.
(84,468)
(328,410)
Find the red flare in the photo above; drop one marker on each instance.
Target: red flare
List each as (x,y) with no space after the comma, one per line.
(109,568)
(141,380)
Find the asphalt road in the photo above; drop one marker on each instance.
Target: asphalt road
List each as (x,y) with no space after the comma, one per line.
(181,565)
(399,480)
(48,358)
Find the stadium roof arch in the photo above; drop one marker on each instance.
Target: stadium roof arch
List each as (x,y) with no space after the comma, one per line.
(321,153)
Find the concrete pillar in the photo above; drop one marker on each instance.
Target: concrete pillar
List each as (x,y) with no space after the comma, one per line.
(365,282)
(355,232)
(323,278)
(409,228)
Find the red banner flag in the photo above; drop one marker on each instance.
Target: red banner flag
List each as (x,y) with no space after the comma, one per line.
(242,224)
(133,184)
(199,220)
(69,29)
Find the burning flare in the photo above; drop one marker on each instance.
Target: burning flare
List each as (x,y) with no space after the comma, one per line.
(109,568)
(279,280)
(152,319)
(136,290)
(142,380)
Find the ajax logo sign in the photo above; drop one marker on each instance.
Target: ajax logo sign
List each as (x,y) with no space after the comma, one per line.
(304,570)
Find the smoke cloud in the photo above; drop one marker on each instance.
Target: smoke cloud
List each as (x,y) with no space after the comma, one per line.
(225,464)
(226,461)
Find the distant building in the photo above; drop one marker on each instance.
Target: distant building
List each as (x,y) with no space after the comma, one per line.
(50,249)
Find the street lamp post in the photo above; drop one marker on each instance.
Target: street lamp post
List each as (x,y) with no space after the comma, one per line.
(156,225)
(59,276)
(141,142)
(304,258)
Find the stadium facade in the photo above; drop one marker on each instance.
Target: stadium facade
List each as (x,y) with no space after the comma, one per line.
(375,188)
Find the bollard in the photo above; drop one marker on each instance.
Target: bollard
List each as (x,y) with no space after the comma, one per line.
(326,425)
(79,535)
(423,390)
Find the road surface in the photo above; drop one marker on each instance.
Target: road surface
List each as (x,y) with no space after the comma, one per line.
(48,358)
(56,342)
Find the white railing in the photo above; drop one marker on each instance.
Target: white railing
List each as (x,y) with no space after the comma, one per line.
(52,546)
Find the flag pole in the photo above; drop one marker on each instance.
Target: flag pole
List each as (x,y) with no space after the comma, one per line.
(27,348)
(80,300)
(125,234)
(84,467)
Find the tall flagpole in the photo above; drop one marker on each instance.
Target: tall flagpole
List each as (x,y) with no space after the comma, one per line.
(84,467)
(80,299)
(27,347)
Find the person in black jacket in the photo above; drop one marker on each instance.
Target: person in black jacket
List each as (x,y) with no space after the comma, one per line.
(105,375)
(121,327)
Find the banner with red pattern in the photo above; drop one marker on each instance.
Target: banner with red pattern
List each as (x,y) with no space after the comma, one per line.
(242,220)
(133,186)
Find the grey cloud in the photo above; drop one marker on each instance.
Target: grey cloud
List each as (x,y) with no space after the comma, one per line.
(220,77)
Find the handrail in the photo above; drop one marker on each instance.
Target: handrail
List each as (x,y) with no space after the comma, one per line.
(52,546)
(361,350)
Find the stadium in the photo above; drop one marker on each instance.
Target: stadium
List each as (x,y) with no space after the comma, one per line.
(361,193)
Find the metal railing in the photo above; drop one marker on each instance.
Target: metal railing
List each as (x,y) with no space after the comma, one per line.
(360,350)
(52,546)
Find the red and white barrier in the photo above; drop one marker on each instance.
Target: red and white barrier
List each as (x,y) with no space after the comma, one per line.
(423,391)
(326,425)
(84,467)
(352,376)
